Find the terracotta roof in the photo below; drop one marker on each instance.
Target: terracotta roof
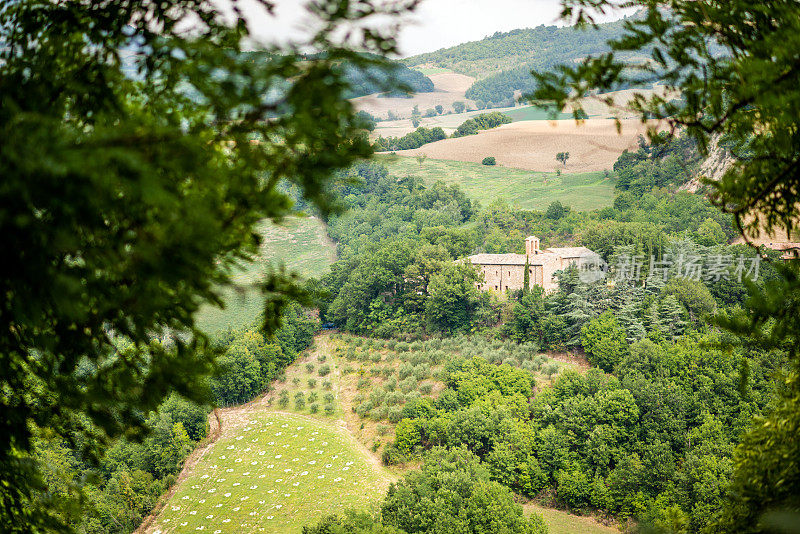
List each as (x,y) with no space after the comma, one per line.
(569,252)
(510,259)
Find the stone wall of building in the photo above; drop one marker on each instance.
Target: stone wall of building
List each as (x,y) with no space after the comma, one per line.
(499,278)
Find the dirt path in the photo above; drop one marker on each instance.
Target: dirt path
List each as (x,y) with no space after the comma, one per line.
(225,422)
(215,426)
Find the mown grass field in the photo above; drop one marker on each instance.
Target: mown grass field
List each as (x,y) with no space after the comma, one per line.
(521,188)
(299,244)
(560,522)
(278,473)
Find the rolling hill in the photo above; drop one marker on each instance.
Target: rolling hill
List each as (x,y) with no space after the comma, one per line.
(502,62)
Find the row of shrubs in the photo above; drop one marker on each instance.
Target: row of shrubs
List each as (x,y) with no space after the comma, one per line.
(300,401)
(422,136)
(389,406)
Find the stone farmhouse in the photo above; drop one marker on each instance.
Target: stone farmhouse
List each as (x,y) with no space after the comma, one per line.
(502,272)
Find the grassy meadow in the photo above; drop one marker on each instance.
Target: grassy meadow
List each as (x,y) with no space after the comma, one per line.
(559,522)
(278,473)
(521,188)
(298,244)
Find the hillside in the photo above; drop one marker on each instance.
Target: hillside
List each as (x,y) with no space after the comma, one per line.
(299,244)
(502,63)
(532,145)
(374,80)
(275,466)
(448,87)
(519,187)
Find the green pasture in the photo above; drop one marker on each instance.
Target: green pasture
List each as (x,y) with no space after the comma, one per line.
(299,245)
(278,473)
(533,113)
(518,187)
(559,522)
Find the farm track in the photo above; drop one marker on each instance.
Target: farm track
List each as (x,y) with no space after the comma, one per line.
(225,422)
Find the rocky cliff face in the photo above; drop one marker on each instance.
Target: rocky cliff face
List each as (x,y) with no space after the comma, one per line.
(713,167)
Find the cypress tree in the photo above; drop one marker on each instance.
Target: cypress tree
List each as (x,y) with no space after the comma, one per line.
(526,280)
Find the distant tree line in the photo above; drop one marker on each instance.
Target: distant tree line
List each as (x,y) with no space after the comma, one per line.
(422,136)
(399,80)
(484,121)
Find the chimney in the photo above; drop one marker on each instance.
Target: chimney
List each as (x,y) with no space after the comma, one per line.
(532,246)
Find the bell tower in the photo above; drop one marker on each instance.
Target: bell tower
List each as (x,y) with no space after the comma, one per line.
(532,246)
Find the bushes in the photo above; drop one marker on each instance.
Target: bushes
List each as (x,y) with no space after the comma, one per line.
(408,385)
(379,413)
(405,370)
(604,341)
(484,121)
(394,398)
(324,370)
(283,399)
(395,414)
(489,160)
(415,139)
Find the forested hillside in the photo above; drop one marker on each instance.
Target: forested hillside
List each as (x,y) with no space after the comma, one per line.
(396,244)
(648,434)
(502,62)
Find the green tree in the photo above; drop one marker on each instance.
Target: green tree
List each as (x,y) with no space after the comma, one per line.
(132,186)
(459,106)
(453,298)
(562,158)
(710,233)
(556,210)
(604,341)
(527,316)
(452,492)
(439,109)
